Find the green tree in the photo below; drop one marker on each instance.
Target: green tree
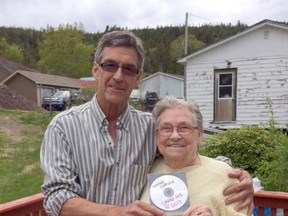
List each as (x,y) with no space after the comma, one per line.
(11,52)
(177,45)
(3,46)
(62,52)
(14,53)
(159,38)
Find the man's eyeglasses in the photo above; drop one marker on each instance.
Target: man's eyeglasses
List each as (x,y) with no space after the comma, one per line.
(111,67)
(181,130)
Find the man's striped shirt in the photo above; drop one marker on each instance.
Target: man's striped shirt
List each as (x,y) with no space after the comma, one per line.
(80,158)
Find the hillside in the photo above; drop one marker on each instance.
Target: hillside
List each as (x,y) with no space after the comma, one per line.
(163,45)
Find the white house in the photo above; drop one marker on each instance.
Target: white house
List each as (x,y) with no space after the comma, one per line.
(236,79)
(163,84)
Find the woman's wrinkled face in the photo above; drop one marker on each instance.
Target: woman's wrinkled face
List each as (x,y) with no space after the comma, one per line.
(178,136)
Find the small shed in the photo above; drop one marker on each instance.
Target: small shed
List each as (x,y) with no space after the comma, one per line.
(243,79)
(163,84)
(34,85)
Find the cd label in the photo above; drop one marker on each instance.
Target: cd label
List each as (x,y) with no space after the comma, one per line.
(168,191)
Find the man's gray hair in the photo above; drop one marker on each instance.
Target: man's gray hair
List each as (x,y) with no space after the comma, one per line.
(121,39)
(171,102)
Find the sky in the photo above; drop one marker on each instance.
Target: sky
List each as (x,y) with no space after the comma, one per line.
(95,15)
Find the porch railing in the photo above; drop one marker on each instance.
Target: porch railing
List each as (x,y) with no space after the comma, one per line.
(27,206)
(272,200)
(33,205)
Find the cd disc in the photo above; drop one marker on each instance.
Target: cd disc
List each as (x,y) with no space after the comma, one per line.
(168,192)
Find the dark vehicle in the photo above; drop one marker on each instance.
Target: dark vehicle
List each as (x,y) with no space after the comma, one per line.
(76,98)
(62,99)
(149,100)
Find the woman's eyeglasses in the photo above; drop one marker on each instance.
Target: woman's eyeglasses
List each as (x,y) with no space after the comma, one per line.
(181,130)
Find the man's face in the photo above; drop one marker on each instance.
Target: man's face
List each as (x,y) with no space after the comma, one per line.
(114,88)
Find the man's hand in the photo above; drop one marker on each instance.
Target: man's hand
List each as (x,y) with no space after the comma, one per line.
(79,206)
(199,209)
(139,208)
(241,192)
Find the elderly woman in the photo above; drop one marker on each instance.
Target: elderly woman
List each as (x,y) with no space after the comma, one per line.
(179,130)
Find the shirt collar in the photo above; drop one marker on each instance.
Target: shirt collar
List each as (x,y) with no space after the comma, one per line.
(123,120)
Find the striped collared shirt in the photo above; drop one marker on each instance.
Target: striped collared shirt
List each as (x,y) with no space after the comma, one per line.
(80,158)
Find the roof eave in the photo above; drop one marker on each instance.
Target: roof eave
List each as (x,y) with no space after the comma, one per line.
(212,46)
(9,78)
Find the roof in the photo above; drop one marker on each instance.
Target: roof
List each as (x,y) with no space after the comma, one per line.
(8,67)
(248,30)
(85,83)
(45,79)
(87,78)
(174,76)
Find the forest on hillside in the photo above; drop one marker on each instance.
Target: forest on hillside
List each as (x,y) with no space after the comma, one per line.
(68,51)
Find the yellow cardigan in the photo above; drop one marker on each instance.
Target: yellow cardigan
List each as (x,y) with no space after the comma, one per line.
(206,183)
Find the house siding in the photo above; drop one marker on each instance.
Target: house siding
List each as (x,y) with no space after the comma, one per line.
(200,87)
(250,45)
(258,81)
(260,57)
(23,86)
(163,84)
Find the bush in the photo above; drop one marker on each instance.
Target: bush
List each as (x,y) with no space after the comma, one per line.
(246,147)
(262,152)
(274,172)
(88,92)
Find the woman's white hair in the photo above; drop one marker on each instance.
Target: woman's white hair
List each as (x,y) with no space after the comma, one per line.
(171,102)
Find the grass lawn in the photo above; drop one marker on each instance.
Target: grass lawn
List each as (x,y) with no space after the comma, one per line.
(21,134)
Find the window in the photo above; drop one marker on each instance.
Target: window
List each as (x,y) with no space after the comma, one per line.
(225,85)
(266,35)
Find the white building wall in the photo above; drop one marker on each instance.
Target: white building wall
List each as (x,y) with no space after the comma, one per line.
(266,41)
(262,74)
(163,85)
(258,81)
(200,87)
(171,86)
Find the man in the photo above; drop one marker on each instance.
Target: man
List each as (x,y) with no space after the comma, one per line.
(96,156)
